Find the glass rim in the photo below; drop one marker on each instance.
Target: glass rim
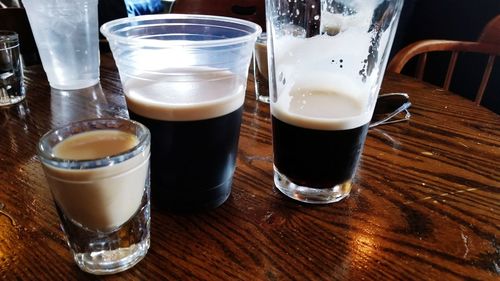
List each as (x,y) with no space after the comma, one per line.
(8,36)
(262,38)
(70,164)
(106,30)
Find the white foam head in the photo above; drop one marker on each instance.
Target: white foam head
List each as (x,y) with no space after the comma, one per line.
(186,94)
(318,103)
(329,81)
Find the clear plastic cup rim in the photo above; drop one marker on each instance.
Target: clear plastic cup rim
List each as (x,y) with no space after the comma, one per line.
(110,34)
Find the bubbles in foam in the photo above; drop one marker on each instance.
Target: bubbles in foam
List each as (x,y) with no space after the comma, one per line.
(186,94)
(322,81)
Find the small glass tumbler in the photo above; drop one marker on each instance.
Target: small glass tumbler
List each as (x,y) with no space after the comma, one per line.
(98,173)
(11,69)
(260,71)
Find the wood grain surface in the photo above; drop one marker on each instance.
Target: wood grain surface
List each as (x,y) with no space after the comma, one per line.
(425,205)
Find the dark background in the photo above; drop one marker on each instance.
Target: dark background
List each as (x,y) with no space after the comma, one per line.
(420,19)
(452,20)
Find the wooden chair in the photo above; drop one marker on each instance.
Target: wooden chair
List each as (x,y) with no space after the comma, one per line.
(487,44)
(491,32)
(251,10)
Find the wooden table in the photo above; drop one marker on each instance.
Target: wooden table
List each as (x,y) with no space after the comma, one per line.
(425,204)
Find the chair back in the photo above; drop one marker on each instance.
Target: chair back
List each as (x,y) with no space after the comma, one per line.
(488,44)
(491,32)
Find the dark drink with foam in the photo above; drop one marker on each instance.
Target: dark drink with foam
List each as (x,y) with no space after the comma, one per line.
(185,77)
(325,70)
(194,126)
(319,158)
(318,136)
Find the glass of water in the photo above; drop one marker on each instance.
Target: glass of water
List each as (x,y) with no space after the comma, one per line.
(66,34)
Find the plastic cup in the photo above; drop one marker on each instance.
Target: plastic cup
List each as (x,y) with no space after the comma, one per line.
(184,77)
(11,69)
(66,35)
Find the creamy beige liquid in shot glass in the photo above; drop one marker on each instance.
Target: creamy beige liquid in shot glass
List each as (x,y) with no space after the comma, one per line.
(103,198)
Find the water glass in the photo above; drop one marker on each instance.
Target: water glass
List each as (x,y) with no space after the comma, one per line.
(11,69)
(66,34)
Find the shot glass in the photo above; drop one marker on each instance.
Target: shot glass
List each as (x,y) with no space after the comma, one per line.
(260,69)
(327,64)
(66,35)
(11,69)
(98,173)
(184,76)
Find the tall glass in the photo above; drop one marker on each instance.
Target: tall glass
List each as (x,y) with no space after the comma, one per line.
(184,76)
(98,173)
(327,59)
(66,34)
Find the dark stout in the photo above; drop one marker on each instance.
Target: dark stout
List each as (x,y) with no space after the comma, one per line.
(318,134)
(316,158)
(194,115)
(192,162)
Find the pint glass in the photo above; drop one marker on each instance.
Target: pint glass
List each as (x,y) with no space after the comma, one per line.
(327,60)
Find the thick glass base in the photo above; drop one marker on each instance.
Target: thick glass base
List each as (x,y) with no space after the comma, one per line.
(109,262)
(109,252)
(310,194)
(11,89)
(10,100)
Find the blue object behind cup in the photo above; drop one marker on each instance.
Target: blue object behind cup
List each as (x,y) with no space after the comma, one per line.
(143,7)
